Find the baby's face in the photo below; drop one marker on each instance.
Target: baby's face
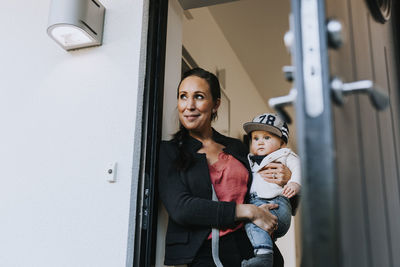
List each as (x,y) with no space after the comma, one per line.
(263,143)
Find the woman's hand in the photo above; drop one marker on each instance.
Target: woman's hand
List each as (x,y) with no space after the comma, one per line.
(260,216)
(265,219)
(276,173)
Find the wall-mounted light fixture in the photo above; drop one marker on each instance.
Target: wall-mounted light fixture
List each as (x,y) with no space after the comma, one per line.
(75,24)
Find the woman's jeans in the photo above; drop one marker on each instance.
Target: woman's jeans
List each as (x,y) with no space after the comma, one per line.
(259,238)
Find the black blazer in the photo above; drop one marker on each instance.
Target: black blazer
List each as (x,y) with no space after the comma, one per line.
(187,198)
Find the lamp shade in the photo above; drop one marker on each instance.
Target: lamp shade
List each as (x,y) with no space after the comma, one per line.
(75,24)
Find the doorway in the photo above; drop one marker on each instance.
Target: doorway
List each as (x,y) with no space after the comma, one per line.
(242,43)
(370,52)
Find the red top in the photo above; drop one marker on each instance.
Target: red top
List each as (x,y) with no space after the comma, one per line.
(229,178)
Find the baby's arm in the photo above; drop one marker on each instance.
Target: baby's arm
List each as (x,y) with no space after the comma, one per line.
(291,189)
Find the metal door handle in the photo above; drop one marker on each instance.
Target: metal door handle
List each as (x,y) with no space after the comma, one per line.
(334,29)
(278,103)
(339,89)
(288,71)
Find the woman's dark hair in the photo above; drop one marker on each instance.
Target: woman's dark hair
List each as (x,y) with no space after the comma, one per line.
(185,159)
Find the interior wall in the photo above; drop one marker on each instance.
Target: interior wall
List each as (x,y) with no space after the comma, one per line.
(65,116)
(207,45)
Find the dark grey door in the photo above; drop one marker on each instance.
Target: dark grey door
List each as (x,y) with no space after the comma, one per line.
(367,140)
(351,151)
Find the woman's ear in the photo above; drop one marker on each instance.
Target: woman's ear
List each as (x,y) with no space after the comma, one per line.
(216,106)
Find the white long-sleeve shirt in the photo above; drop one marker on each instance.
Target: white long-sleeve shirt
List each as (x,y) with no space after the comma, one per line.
(265,189)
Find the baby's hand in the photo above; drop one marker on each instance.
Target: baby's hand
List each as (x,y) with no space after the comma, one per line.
(291,189)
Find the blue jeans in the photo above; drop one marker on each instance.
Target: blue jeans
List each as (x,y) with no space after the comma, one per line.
(259,238)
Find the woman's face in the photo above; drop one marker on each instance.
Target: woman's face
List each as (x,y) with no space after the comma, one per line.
(195,104)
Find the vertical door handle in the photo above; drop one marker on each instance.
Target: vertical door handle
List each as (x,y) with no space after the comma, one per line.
(278,103)
(334,29)
(339,89)
(288,71)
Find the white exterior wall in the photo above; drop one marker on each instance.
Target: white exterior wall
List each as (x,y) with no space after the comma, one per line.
(64,117)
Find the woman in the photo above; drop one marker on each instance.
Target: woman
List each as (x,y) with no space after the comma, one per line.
(195,158)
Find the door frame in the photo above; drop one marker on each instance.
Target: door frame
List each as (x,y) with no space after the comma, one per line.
(147,196)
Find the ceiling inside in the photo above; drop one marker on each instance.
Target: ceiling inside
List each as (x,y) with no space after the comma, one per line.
(255,30)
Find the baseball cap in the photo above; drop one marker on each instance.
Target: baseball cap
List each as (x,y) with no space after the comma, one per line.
(270,123)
